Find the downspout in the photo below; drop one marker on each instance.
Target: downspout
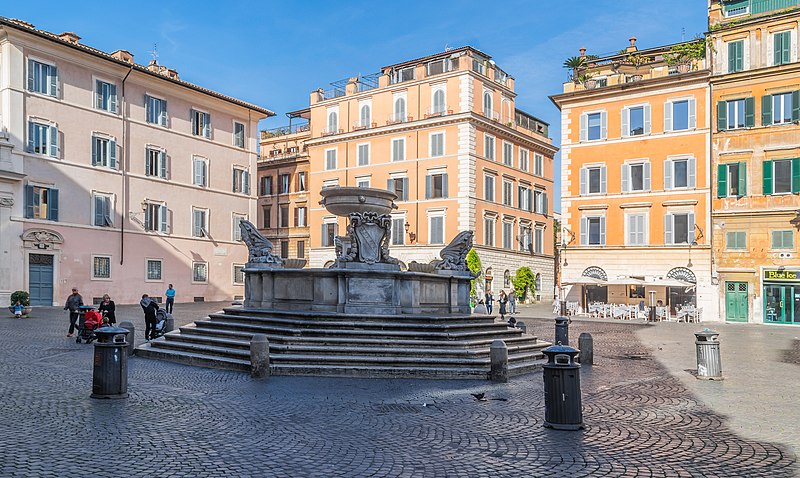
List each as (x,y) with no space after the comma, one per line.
(711,168)
(125,162)
(419,116)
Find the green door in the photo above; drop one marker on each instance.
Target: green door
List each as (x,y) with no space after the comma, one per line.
(736,301)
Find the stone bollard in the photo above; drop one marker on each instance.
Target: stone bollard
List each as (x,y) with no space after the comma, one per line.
(131,334)
(169,325)
(498,353)
(586,346)
(522,327)
(259,356)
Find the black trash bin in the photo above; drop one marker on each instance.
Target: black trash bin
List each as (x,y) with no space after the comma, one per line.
(562,331)
(562,389)
(110,379)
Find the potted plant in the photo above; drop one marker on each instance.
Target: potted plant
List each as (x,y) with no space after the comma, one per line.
(637,60)
(683,55)
(588,81)
(24,299)
(575,63)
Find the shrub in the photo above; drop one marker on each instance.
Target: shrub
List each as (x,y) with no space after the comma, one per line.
(22,296)
(474,266)
(523,281)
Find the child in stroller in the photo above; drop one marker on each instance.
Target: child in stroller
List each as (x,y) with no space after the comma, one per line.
(90,321)
(161,323)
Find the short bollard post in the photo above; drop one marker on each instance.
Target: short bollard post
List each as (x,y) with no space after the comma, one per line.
(586,346)
(563,308)
(524,328)
(131,333)
(709,363)
(259,356)
(562,331)
(562,389)
(110,373)
(169,324)
(498,354)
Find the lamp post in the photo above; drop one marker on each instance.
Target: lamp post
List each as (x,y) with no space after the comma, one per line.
(652,314)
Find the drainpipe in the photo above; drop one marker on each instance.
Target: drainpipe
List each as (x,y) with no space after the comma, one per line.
(125,158)
(710,207)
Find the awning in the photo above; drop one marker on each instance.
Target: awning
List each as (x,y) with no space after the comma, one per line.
(626,281)
(668,282)
(583,281)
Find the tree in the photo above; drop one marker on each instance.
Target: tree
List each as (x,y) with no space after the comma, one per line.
(523,281)
(474,266)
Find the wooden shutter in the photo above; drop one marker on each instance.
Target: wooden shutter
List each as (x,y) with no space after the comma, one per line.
(743,178)
(667,116)
(668,222)
(796,105)
(603,179)
(668,174)
(544,203)
(162,158)
(163,218)
(163,113)
(53,81)
(750,112)
(692,113)
(428,186)
(647,119)
(444,185)
(584,231)
(584,127)
(625,172)
(98,210)
(766,110)
(603,125)
(767,178)
(530,200)
(52,204)
(584,186)
(95,151)
(722,115)
(31,134)
(29,201)
(602,230)
(691,173)
(405,190)
(624,121)
(53,137)
(246,182)
(796,175)
(646,174)
(31,74)
(112,97)
(722,180)
(690,225)
(390,185)
(112,154)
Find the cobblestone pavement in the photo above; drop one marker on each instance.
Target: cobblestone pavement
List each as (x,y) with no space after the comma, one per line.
(641,419)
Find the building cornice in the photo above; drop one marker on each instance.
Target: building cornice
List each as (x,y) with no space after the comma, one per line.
(769,72)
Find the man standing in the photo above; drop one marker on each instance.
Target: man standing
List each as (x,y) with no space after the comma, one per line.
(489,300)
(512,302)
(170,293)
(73,304)
(149,307)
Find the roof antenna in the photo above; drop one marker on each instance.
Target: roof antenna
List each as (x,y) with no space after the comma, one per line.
(446,47)
(683,34)
(154,53)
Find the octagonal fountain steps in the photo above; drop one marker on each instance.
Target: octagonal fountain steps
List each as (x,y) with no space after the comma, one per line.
(334,344)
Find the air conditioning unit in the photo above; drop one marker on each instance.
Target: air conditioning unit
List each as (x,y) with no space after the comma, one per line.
(785,255)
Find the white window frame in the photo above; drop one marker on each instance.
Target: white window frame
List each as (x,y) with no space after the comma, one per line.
(508,192)
(508,159)
(113,101)
(147,261)
(489,230)
(332,110)
(361,120)
(205,162)
(109,150)
(602,225)
(538,239)
(584,126)
(645,236)
(393,142)
(488,106)
(524,159)
(399,117)
(626,185)
(538,164)
(486,180)
(435,110)
(626,120)
(507,230)
(235,266)
(201,129)
(430,143)
(363,181)
(243,177)
(301,220)
(487,139)
(244,135)
(734,104)
(326,223)
(205,265)
(163,118)
(775,103)
(204,227)
(110,216)
(236,233)
(691,112)
(360,148)
(328,158)
(101,256)
(52,130)
(163,164)
(436,214)
(398,233)
(161,220)
(691,221)
(57,91)
(691,173)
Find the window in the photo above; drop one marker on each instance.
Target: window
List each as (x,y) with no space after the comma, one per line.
(782,52)
(42,78)
(267,217)
(487,104)
(301,249)
(488,187)
(436,186)
(333,122)
(782,108)
(736,114)
(488,230)
(538,164)
(783,239)
(238,274)
(301,181)
(539,242)
(594,126)
(238,134)
(399,109)
(241,181)
(508,235)
(365,116)
(508,154)
(363,182)
(680,173)
(363,154)
(637,233)
(525,201)
(488,147)
(329,231)
(155,110)
(436,228)
(635,177)
(41,203)
(266,185)
(101,267)
(679,228)
(155,217)
(43,139)
(105,96)
(399,186)
(237,230)
(438,102)
(398,231)
(508,193)
(593,180)
(284,249)
(736,240)
(523,159)
(437,67)
(680,115)
(732,180)
(636,292)
(403,74)
(284,181)
(153,269)
(540,202)
(735,56)
(436,144)
(283,216)
(398,149)
(479,66)
(201,124)
(102,210)
(199,272)
(330,159)
(300,214)
(199,172)
(526,238)
(636,121)
(781,176)
(104,152)
(593,231)
(155,162)
(199,222)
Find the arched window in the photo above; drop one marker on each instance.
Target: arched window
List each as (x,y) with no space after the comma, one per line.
(333,122)
(487,104)
(488,278)
(506,111)
(538,283)
(507,278)
(366,117)
(400,110)
(438,102)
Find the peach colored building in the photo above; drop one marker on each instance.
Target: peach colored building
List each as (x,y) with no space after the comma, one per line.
(635,189)
(116,177)
(443,132)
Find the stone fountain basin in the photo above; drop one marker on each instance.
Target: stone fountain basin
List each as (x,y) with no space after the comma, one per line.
(343,201)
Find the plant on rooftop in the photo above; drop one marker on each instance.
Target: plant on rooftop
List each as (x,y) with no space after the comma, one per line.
(687,53)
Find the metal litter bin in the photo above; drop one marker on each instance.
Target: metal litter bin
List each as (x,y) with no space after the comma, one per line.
(110,378)
(562,331)
(709,363)
(562,389)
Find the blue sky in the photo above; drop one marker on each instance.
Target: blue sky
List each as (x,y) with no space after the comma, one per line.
(274,53)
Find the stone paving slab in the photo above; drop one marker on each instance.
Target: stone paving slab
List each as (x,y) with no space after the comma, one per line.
(642,419)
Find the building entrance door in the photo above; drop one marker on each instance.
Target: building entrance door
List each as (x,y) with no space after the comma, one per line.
(782,304)
(40,279)
(736,304)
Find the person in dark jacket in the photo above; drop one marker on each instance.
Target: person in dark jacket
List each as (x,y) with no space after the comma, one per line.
(149,307)
(73,304)
(489,302)
(108,309)
(502,299)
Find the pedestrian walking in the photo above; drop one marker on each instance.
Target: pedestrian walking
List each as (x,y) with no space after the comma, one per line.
(489,302)
(170,293)
(73,305)
(108,309)
(149,307)
(502,300)
(512,302)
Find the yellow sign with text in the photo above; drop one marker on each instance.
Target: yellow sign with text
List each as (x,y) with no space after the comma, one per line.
(781,275)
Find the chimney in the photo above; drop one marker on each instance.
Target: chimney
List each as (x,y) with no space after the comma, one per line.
(123,55)
(632,46)
(171,73)
(69,37)
(583,51)
(153,66)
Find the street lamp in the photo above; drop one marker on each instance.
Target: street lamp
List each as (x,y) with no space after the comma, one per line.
(411,236)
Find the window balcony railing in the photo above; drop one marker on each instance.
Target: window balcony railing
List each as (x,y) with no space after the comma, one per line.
(327,132)
(491,114)
(284,130)
(333,93)
(357,126)
(395,119)
(438,111)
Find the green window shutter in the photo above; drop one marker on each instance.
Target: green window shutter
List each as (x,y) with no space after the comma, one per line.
(778,49)
(796,175)
(743,178)
(766,110)
(732,56)
(722,180)
(796,105)
(767,190)
(750,112)
(722,115)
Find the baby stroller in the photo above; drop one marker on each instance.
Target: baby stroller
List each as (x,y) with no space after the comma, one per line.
(90,321)
(161,323)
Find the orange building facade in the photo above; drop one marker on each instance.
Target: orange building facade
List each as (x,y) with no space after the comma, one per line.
(444,134)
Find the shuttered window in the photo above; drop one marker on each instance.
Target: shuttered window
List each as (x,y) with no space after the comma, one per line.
(42,78)
(735,56)
(398,149)
(41,203)
(782,48)
(732,180)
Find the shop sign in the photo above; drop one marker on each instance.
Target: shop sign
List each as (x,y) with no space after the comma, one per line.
(784,275)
